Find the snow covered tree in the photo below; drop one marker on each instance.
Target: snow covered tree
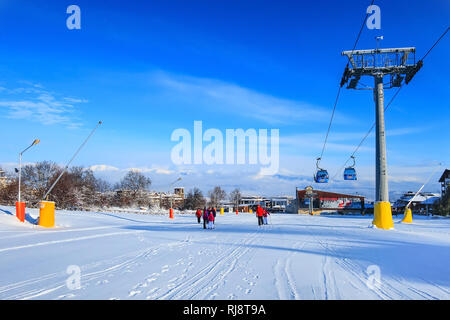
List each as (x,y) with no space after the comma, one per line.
(135,181)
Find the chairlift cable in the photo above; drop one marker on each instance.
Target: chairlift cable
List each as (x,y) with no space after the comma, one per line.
(435,43)
(340,87)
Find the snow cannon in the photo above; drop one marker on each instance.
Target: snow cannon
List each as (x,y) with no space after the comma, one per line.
(407,216)
(20,211)
(383,215)
(171,213)
(47,214)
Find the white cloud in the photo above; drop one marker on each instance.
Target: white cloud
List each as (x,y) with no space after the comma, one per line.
(232,98)
(37,104)
(103,167)
(152,170)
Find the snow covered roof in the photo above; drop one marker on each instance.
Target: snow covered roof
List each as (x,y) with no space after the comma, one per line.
(431,200)
(446,174)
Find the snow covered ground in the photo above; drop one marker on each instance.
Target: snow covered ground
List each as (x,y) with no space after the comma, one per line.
(136,256)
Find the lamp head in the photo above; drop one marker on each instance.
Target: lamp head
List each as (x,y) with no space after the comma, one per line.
(36,142)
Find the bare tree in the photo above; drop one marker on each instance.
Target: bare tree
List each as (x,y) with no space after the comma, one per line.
(194,199)
(77,188)
(38,176)
(235,197)
(216,196)
(8,193)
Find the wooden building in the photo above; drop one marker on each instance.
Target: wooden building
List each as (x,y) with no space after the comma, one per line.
(445,181)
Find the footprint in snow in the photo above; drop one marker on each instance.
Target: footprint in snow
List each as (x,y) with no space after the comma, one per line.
(213,296)
(152,290)
(165,269)
(152,293)
(134,293)
(66,296)
(140,285)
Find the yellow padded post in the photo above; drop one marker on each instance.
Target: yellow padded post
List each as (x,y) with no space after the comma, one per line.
(383,215)
(407,216)
(47,214)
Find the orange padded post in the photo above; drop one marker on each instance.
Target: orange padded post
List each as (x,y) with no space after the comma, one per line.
(20,211)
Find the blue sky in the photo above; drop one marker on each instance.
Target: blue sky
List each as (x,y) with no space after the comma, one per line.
(149,68)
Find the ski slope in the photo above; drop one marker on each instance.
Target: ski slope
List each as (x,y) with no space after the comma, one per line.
(136,256)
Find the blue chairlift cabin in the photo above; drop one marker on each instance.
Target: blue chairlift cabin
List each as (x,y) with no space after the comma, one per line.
(350,172)
(321,175)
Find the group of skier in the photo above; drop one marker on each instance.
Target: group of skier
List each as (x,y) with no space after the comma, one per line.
(209,216)
(262,215)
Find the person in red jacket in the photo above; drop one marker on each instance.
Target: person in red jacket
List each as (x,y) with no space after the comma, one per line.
(198,213)
(265,214)
(211,220)
(260,214)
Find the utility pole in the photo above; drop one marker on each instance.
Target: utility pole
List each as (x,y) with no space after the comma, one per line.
(400,65)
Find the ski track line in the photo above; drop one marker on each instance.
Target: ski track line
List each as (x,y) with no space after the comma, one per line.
(70,240)
(290,280)
(352,268)
(444,289)
(331,273)
(325,272)
(402,294)
(219,278)
(283,277)
(189,288)
(86,278)
(39,232)
(213,270)
(324,277)
(278,285)
(342,262)
(386,289)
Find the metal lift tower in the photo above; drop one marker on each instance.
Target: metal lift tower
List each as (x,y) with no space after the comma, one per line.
(400,65)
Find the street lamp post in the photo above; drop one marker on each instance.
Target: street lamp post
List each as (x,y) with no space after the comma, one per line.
(20,207)
(171,209)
